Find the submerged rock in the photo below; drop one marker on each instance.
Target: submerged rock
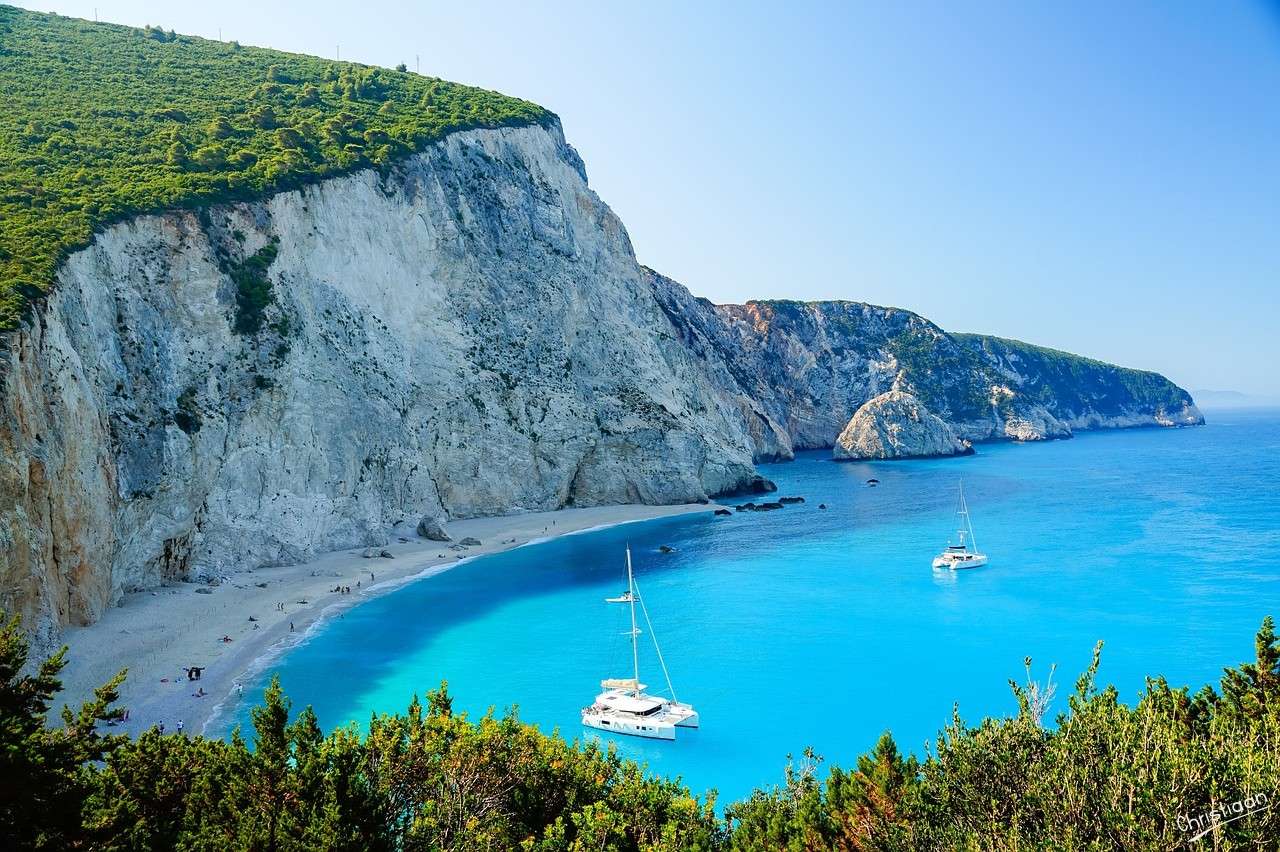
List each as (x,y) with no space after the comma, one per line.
(666,549)
(723,512)
(786,501)
(896,425)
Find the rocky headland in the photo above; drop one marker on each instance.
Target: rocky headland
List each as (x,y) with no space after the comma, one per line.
(464,333)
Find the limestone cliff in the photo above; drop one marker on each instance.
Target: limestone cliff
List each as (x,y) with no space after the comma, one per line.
(464,333)
(252,384)
(797,372)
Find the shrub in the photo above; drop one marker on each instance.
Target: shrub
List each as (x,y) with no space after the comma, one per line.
(253,288)
(1106,776)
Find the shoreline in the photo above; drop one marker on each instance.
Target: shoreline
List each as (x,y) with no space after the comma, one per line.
(159,632)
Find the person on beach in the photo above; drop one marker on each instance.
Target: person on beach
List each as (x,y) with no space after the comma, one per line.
(161,726)
(290,626)
(179,726)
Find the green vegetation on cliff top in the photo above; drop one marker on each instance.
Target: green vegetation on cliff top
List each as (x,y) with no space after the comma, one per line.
(102,122)
(1074,380)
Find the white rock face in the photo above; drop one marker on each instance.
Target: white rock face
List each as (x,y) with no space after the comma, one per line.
(796,373)
(896,425)
(469,335)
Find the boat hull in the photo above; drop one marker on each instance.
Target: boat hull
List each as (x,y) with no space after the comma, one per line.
(613,723)
(676,712)
(685,716)
(945,563)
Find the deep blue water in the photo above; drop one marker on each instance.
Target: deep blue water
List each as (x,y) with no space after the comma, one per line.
(808,627)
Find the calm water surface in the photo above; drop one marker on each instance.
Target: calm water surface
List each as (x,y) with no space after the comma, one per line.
(808,627)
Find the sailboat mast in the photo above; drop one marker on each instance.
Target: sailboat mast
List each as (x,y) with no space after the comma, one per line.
(968,522)
(635,645)
(658,648)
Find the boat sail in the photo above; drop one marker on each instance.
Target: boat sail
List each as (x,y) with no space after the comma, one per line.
(965,553)
(624,707)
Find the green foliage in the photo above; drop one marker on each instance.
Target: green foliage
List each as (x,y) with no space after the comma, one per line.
(1074,383)
(187,415)
(102,122)
(1105,776)
(941,374)
(46,772)
(253,287)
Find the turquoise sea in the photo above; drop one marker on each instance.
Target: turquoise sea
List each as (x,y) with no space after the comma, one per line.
(808,627)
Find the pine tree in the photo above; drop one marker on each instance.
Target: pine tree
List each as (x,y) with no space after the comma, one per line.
(46,775)
(1249,688)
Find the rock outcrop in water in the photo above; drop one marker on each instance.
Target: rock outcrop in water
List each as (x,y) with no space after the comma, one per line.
(466,334)
(894,425)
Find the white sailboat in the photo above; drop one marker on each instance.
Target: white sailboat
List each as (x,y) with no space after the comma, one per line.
(624,707)
(965,553)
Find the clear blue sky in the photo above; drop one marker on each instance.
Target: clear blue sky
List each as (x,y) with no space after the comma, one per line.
(1099,177)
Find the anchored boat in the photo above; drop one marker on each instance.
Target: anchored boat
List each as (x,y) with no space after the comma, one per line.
(965,554)
(624,707)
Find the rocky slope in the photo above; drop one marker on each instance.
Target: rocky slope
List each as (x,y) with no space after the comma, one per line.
(466,333)
(797,373)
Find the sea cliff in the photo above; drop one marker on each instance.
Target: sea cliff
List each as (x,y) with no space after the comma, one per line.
(798,372)
(464,333)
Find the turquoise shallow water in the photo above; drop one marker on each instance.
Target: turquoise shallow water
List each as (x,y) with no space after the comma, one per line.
(807,627)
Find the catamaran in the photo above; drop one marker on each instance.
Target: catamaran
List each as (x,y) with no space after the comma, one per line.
(965,554)
(624,707)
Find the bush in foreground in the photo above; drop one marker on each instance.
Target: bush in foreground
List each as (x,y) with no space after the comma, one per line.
(1107,776)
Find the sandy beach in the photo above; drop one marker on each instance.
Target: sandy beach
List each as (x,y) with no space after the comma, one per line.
(158,634)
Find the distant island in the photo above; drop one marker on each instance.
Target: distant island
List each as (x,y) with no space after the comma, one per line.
(1233,399)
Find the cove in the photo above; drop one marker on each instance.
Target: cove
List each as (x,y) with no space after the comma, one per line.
(809,627)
